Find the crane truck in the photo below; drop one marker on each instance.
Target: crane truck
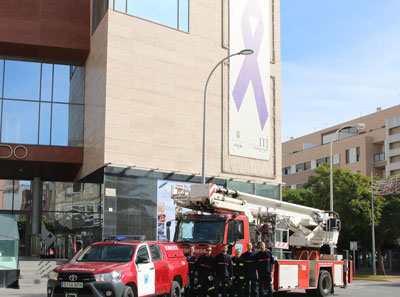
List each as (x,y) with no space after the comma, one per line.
(294,232)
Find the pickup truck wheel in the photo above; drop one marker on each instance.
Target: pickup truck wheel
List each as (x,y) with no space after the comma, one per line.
(128,292)
(175,290)
(325,284)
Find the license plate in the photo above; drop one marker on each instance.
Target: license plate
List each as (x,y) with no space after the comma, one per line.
(71,285)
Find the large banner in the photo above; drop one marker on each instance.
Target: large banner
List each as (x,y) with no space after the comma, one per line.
(249,80)
(166,209)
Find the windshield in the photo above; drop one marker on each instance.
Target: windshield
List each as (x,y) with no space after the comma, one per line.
(200,231)
(107,253)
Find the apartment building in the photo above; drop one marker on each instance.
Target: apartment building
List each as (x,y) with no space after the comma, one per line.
(102,111)
(374,149)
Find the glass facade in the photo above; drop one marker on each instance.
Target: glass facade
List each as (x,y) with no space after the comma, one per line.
(71,215)
(171,13)
(39,104)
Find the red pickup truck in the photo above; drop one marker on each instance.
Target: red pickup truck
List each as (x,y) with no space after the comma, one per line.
(121,269)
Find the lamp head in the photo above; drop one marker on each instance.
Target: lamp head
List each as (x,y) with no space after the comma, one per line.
(246,52)
(359,126)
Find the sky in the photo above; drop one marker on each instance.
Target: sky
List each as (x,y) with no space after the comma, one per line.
(340,60)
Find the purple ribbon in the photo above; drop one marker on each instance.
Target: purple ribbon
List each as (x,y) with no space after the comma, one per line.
(250,70)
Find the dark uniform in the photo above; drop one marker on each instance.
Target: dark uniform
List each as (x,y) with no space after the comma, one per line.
(250,276)
(238,277)
(264,262)
(223,271)
(204,268)
(191,259)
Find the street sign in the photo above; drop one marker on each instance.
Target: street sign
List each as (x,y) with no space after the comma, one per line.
(353,245)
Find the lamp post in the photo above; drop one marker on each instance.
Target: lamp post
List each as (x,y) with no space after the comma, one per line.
(359,126)
(203,167)
(373,229)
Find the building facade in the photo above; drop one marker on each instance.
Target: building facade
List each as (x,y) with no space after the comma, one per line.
(102,111)
(375,149)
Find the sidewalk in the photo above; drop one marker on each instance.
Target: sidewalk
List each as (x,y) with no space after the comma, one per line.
(31,292)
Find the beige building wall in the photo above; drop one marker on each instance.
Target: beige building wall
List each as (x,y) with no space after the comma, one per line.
(145,106)
(371,142)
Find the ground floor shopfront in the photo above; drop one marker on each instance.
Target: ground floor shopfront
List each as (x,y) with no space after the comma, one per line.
(56,218)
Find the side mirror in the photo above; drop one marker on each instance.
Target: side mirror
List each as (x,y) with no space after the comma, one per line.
(142,260)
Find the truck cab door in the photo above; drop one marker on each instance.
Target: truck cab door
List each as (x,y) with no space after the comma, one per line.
(161,268)
(145,272)
(235,236)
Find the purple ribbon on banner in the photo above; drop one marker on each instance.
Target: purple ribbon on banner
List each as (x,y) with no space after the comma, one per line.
(250,70)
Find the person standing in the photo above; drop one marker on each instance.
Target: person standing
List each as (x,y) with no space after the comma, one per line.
(250,268)
(238,275)
(204,271)
(223,271)
(191,259)
(265,267)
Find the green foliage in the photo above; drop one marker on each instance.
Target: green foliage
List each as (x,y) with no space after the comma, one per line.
(352,200)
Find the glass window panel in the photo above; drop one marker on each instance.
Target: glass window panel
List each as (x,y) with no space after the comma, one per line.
(120,5)
(47,78)
(184,15)
(75,125)
(20,122)
(44,125)
(21,80)
(61,83)
(160,11)
(1,78)
(59,124)
(22,195)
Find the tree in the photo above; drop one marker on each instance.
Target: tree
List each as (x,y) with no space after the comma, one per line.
(352,201)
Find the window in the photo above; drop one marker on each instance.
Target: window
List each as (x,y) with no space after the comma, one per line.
(307,165)
(344,133)
(286,170)
(394,145)
(235,231)
(322,161)
(379,157)
(395,130)
(300,167)
(395,159)
(358,153)
(171,13)
(37,107)
(347,156)
(142,252)
(155,252)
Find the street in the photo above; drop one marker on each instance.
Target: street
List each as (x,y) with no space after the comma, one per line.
(359,288)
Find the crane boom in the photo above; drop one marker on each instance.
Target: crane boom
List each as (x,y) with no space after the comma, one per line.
(310,227)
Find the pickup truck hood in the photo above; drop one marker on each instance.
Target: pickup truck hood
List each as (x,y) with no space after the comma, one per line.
(91,267)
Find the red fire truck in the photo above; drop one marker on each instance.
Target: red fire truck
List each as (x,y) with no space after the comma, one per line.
(295,233)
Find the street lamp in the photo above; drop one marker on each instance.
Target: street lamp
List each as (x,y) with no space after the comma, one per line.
(359,126)
(203,168)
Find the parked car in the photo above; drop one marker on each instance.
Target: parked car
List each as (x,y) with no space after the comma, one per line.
(121,269)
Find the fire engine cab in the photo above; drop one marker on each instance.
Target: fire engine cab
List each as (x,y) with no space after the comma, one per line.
(121,268)
(294,232)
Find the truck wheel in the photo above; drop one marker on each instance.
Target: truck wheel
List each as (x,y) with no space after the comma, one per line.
(325,284)
(175,290)
(128,292)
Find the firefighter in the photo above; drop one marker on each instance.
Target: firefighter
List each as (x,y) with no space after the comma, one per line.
(191,259)
(250,268)
(265,267)
(223,271)
(238,275)
(204,272)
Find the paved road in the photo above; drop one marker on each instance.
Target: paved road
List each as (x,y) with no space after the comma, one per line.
(358,288)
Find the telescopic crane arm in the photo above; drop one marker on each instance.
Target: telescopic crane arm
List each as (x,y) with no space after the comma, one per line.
(310,227)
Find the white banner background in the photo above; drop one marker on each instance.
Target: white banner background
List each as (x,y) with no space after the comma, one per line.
(246,136)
